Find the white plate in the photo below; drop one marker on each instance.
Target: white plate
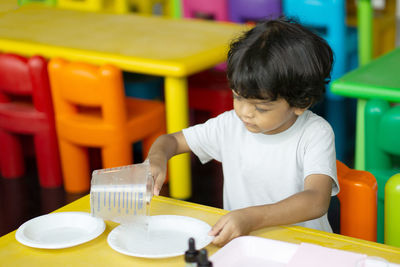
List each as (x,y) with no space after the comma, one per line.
(164,236)
(59,230)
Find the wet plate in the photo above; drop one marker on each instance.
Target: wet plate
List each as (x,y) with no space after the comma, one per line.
(163,236)
(59,230)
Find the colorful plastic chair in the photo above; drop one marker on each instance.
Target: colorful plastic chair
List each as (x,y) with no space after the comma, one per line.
(382,148)
(212,9)
(91,110)
(147,7)
(46,2)
(209,91)
(358,202)
(328,19)
(115,6)
(383,26)
(392,214)
(26,109)
(243,11)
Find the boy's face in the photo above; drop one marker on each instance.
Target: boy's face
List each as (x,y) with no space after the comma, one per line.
(263,116)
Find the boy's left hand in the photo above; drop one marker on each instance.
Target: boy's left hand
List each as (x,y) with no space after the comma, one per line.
(235,223)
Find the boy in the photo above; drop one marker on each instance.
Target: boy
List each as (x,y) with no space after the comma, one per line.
(278,157)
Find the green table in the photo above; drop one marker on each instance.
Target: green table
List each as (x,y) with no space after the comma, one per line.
(379,78)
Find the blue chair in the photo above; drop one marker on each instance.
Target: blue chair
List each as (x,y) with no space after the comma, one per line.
(328,19)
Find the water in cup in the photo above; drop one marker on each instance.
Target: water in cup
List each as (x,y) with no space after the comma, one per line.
(122,194)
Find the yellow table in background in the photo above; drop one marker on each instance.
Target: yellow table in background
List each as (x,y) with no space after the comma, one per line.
(171,48)
(8,5)
(98,253)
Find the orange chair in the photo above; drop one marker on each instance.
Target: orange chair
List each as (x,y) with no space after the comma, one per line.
(358,203)
(91,110)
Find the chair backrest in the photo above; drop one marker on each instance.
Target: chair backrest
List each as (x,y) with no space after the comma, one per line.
(79,87)
(117,6)
(242,11)
(218,9)
(23,77)
(46,2)
(392,214)
(148,7)
(358,202)
(382,132)
(328,19)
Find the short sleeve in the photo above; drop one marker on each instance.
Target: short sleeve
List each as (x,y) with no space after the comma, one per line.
(205,139)
(319,152)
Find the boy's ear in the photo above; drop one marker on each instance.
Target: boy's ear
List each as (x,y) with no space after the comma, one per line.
(299,111)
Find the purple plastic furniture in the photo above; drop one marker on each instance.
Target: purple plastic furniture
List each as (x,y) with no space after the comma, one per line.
(243,11)
(211,9)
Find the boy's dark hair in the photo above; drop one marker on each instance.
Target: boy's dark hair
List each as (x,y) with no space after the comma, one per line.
(280,59)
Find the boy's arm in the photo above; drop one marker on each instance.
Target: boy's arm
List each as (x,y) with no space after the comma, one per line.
(165,147)
(309,204)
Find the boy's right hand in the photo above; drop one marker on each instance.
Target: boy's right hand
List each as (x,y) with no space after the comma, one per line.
(158,169)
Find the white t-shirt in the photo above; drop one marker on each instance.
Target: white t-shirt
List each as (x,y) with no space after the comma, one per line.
(263,169)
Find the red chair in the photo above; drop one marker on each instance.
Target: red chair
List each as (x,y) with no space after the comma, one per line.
(209,91)
(26,109)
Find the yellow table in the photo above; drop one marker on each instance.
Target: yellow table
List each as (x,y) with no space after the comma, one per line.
(8,5)
(98,253)
(165,47)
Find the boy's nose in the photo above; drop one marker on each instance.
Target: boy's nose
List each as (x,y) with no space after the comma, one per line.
(247,110)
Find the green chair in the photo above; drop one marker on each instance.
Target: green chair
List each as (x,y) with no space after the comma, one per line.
(46,2)
(382,148)
(392,212)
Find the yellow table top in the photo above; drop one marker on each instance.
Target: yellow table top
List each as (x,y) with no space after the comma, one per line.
(143,44)
(97,252)
(8,5)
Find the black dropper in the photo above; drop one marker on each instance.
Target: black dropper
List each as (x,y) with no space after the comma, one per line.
(191,253)
(202,259)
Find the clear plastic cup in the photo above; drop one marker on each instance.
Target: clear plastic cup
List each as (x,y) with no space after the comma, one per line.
(122,194)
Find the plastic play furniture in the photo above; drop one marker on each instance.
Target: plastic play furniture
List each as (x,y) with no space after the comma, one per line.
(26,109)
(382,148)
(116,6)
(146,7)
(209,91)
(177,49)
(383,26)
(91,110)
(212,9)
(392,214)
(378,79)
(358,202)
(242,11)
(47,2)
(328,19)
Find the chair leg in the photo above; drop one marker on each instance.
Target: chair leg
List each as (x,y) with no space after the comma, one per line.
(48,159)
(75,167)
(12,163)
(117,154)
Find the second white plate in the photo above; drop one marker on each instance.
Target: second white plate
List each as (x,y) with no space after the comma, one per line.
(165,236)
(59,230)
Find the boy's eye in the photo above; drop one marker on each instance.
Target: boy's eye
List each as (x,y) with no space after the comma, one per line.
(261,110)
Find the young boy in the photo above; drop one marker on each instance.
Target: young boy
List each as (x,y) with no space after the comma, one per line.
(278,157)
